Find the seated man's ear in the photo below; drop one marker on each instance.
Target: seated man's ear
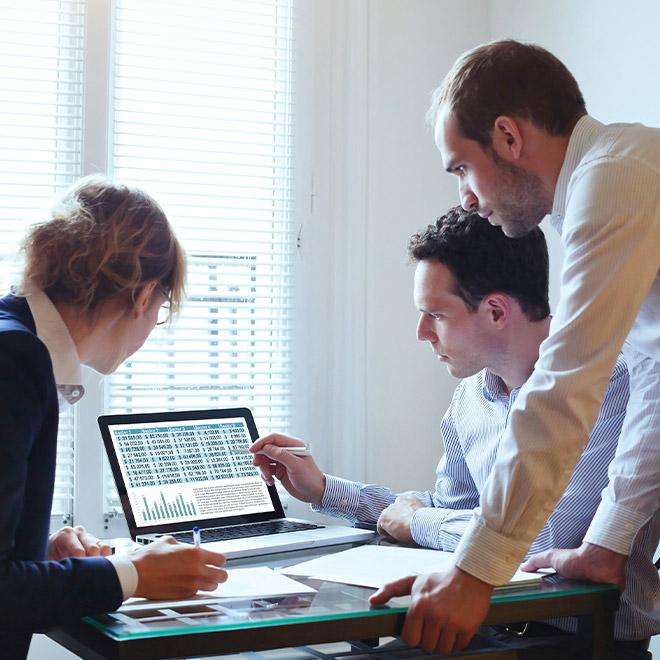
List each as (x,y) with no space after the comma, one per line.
(498,308)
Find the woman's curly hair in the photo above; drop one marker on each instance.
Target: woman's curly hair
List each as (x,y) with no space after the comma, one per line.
(104,240)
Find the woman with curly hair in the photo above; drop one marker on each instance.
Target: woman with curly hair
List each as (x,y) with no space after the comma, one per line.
(96,276)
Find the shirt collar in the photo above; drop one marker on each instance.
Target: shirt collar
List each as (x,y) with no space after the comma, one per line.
(582,138)
(493,386)
(53,332)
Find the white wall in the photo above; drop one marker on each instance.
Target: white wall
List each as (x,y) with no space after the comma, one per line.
(378,418)
(612,49)
(410,47)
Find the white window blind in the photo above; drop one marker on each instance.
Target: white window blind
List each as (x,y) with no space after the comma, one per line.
(41,69)
(202,119)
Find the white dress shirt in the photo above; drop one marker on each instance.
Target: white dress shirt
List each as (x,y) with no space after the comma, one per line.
(53,332)
(607,207)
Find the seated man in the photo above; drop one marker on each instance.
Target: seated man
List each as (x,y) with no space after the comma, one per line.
(483,301)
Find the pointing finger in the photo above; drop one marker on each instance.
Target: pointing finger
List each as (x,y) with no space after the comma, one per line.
(400,587)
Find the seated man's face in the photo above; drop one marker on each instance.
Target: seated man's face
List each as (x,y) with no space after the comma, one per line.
(459,337)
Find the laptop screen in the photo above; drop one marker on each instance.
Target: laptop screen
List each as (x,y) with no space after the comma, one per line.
(186,470)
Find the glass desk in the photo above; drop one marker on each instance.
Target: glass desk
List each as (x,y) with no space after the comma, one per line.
(335,612)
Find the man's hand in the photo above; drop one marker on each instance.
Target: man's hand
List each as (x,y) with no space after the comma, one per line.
(588,562)
(395,520)
(167,569)
(75,542)
(299,474)
(445,611)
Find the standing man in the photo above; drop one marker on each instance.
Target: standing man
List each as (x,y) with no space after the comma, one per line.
(511,125)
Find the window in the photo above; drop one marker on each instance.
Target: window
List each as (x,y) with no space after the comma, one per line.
(41,82)
(202,120)
(199,114)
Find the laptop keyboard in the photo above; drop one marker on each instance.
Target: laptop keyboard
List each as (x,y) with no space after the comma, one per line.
(243,531)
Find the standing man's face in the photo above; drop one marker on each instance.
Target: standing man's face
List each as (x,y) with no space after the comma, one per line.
(501,192)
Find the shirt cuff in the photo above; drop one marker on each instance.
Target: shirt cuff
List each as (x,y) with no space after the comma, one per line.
(614,527)
(341,497)
(127,574)
(487,555)
(426,527)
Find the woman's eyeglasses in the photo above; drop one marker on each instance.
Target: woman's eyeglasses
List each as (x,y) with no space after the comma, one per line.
(164,312)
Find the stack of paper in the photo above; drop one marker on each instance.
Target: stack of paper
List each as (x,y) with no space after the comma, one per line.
(376,565)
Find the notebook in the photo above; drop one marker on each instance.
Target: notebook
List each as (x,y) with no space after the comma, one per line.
(179,470)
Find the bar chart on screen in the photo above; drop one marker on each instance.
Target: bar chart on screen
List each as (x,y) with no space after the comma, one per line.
(159,510)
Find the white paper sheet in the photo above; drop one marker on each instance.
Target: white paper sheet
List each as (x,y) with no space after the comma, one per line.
(242,583)
(376,565)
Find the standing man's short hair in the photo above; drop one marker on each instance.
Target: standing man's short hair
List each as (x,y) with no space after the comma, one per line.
(509,78)
(482,260)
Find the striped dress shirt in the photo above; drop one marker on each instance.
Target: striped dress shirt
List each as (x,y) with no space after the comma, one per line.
(471,429)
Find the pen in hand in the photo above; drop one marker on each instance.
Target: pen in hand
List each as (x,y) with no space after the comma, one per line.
(296,451)
(196,537)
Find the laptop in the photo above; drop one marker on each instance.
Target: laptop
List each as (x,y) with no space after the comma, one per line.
(179,470)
